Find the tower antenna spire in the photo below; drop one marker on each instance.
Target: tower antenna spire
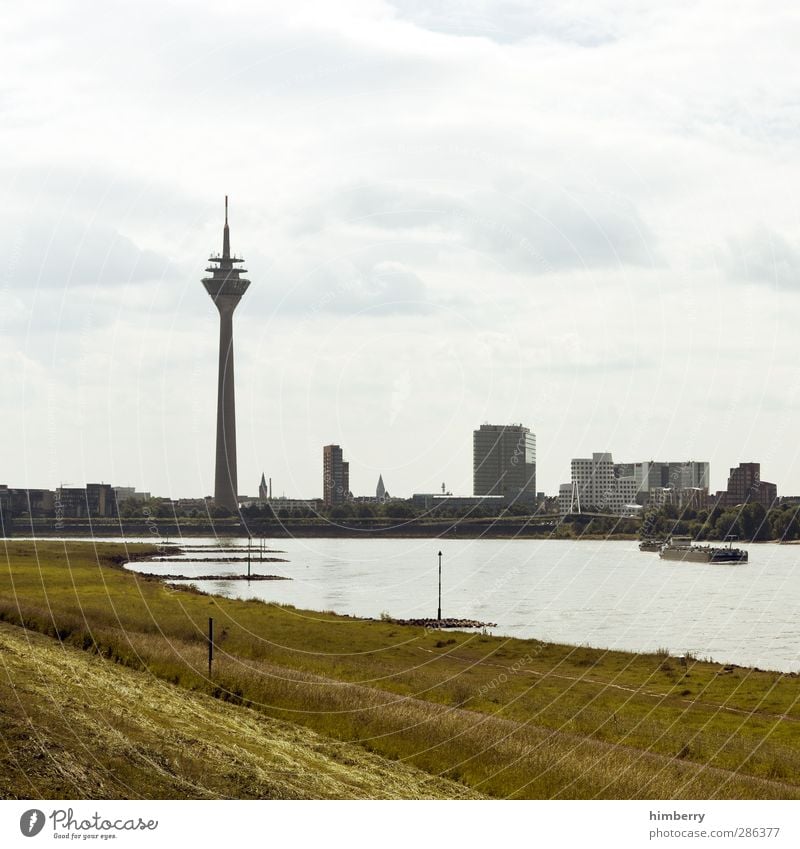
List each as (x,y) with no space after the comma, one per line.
(226,235)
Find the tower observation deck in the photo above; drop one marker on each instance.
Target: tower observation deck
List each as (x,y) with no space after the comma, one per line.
(226,287)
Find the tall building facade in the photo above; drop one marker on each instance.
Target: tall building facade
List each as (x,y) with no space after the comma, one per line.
(599,485)
(226,288)
(504,463)
(592,487)
(682,483)
(652,474)
(335,476)
(745,484)
(687,474)
(100,499)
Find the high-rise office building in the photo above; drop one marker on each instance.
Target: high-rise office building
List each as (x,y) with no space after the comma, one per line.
(226,288)
(685,474)
(335,476)
(593,486)
(504,463)
(608,487)
(745,484)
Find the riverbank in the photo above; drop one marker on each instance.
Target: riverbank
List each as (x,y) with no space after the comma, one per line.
(166,530)
(508,717)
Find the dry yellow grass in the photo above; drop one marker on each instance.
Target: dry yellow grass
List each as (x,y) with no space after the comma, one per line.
(73,725)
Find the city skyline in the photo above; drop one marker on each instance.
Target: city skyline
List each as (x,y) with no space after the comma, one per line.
(452,220)
(506,445)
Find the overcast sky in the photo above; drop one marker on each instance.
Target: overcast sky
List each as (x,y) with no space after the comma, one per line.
(578,216)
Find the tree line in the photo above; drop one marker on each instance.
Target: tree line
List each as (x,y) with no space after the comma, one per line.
(751,522)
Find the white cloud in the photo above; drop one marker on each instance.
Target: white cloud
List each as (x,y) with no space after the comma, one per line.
(557,202)
(765,257)
(69,254)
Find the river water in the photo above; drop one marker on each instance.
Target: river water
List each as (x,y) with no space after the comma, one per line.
(595,593)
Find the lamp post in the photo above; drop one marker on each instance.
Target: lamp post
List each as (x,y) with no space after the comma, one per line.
(439,610)
(210,644)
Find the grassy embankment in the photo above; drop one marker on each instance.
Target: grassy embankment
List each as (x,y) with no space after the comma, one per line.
(506,718)
(78,726)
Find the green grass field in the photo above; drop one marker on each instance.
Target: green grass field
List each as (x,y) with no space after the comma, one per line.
(504,718)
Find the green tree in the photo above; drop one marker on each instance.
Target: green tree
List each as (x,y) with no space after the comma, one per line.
(754,522)
(599,525)
(163,510)
(729,524)
(785,523)
(398,510)
(129,509)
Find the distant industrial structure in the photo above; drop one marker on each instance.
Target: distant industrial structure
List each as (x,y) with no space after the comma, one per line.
(335,476)
(226,288)
(433,501)
(504,463)
(129,493)
(95,500)
(33,502)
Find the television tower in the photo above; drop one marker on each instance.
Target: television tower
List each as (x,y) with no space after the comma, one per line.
(226,289)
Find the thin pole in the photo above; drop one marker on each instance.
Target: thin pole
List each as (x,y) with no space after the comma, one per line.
(210,644)
(439,611)
(249,540)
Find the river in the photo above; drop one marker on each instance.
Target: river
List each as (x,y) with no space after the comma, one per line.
(605,594)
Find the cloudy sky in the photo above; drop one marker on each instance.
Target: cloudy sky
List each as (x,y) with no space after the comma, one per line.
(578,216)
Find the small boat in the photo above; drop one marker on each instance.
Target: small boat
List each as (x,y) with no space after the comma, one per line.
(651,544)
(684,549)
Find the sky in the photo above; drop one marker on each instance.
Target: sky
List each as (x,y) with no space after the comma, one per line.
(581,217)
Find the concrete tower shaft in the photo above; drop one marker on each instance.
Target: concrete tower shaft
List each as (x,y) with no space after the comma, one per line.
(226,288)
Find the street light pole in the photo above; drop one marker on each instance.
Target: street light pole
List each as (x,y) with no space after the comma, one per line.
(210,644)
(439,611)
